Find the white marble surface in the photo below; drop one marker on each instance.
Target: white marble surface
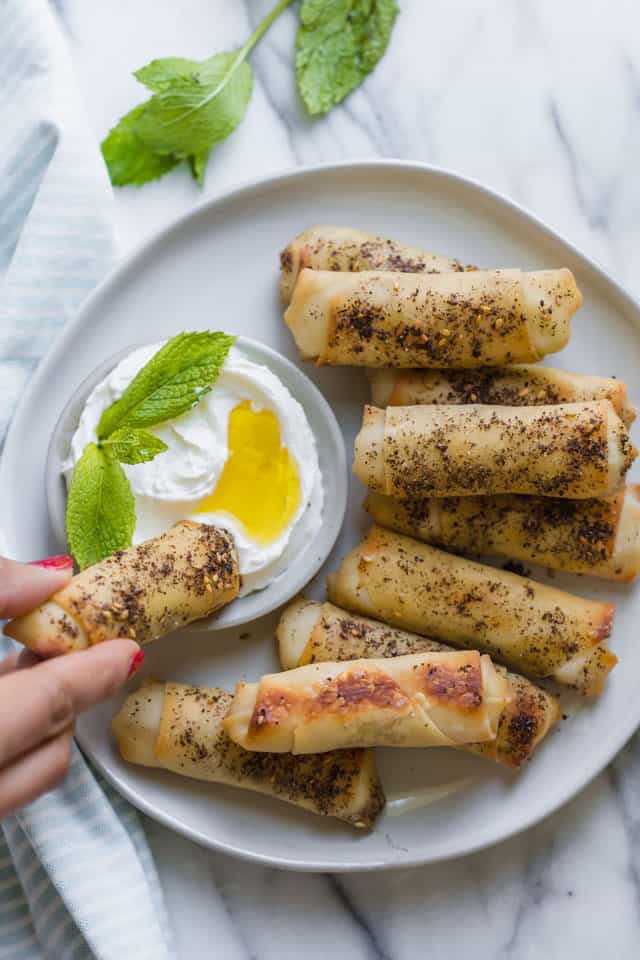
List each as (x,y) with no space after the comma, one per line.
(540,100)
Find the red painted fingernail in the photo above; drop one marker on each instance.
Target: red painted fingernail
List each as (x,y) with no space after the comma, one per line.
(136,663)
(62,562)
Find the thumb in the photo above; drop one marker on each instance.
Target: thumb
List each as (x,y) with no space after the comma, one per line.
(23,586)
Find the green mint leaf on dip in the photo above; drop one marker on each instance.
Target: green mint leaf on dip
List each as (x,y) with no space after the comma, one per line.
(128,159)
(133,446)
(339,42)
(172,382)
(195,105)
(101,513)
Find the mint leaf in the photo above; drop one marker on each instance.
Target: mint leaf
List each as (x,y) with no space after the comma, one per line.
(198,165)
(338,44)
(128,159)
(101,513)
(172,382)
(133,446)
(160,73)
(192,112)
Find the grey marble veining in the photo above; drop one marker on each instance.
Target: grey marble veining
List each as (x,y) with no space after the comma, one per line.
(540,100)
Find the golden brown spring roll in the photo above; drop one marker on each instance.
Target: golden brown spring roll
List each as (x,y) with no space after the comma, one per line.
(310,632)
(575,450)
(179,728)
(528,626)
(598,537)
(343,248)
(143,592)
(421,700)
(518,386)
(478,319)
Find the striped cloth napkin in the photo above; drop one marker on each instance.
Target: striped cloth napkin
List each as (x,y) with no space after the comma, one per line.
(77,880)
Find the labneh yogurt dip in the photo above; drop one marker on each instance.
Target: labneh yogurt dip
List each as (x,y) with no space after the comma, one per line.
(244,458)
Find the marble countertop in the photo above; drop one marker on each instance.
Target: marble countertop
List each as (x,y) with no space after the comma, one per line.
(539,100)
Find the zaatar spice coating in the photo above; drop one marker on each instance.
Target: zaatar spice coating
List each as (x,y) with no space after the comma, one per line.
(142,593)
(522,385)
(531,627)
(600,537)
(423,700)
(342,248)
(478,319)
(575,450)
(310,632)
(179,728)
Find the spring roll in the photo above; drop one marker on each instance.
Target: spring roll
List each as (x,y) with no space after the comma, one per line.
(179,728)
(419,700)
(310,632)
(478,319)
(575,450)
(342,248)
(518,386)
(598,537)
(143,592)
(531,627)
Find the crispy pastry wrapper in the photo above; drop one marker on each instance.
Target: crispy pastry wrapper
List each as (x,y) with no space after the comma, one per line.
(530,627)
(146,591)
(311,632)
(522,385)
(600,537)
(574,450)
(476,319)
(343,248)
(420,700)
(179,728)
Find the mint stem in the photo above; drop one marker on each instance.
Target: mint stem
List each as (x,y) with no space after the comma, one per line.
(264,26)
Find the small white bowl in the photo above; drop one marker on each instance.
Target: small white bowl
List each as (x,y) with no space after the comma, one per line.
(333,466)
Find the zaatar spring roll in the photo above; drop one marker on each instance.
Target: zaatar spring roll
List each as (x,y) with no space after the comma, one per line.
(420,700)
(343,248)
(179,728)
(575,450)
(600,537)
(531,627)
(143,592)
(478,319)
(310,632)
(518,386)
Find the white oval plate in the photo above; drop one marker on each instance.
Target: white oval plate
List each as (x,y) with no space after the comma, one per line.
(331,458)
(217,268)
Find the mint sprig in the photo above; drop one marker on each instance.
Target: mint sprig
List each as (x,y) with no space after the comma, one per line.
(196,104)
(101,514)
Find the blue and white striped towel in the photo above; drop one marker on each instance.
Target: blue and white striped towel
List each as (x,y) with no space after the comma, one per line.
(77,880)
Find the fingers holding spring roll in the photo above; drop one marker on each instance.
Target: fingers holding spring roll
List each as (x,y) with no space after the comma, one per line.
(310,632)
(517,386)
(599,537)
(179,728)
(575,450)
(343,248)
(421,700)
(528,626)
(143,592)
(476,319)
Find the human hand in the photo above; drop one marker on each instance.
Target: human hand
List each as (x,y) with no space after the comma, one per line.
(39,700)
